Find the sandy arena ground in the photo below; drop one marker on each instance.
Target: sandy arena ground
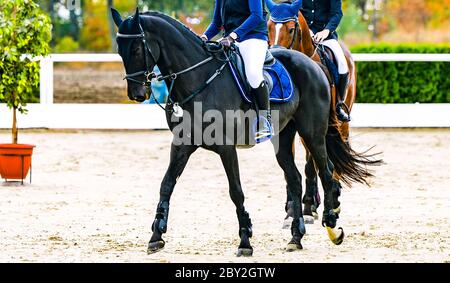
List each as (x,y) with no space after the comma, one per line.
(94,195)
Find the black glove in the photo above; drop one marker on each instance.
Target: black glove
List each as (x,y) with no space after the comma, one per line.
(226,41)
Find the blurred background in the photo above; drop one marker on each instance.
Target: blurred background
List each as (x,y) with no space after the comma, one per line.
(368,26)
(88,27)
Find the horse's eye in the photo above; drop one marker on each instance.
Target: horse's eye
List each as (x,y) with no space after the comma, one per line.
(136,49)
(291,30)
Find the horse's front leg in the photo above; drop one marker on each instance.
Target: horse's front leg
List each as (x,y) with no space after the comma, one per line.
(179,156)
(230,162)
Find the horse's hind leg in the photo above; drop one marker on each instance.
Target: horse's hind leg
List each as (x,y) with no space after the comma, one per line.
(288,206)
(285,158)
(179,156)
(311,199)
(331,187)
(230,162)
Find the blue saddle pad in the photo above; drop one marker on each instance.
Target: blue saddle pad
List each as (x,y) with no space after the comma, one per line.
(278,79)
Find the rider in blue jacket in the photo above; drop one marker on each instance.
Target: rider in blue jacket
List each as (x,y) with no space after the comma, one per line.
(243,22)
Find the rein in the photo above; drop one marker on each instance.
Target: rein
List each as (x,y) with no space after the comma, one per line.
(150,75)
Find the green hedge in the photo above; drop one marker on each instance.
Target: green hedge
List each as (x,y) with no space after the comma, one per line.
(403,82)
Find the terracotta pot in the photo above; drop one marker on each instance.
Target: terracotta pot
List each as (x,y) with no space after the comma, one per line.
(15,161)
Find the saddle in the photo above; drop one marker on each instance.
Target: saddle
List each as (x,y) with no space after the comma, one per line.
(329,60)
(277,78)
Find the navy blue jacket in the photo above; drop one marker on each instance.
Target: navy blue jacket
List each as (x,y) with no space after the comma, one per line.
(323,14)
(247,18)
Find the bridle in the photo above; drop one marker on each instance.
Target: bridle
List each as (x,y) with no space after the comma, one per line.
(286,20)
(150,75)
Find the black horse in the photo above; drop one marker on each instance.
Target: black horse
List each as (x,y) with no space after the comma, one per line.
(198,74)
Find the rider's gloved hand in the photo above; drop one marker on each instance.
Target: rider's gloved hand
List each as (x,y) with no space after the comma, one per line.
(204,38)
(226,41)
(321,36)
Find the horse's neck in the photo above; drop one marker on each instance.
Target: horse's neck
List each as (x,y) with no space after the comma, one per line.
(306,44)
(179,54)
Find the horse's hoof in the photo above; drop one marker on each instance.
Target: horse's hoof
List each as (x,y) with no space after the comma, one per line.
(308,219)
(287,222)
(292,247)
(336,235)
(314,212)
(315,215)
(307,210)
(337,210)
(154,247)
(245,252)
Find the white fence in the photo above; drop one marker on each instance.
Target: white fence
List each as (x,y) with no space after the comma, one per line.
(46,114)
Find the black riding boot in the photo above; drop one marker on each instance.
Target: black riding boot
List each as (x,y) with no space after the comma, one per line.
(341,93)
(261,95)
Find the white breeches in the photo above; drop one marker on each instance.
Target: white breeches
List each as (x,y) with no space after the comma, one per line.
(253,53)
(334,45)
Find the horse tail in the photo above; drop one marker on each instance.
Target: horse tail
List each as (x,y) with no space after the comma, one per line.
(349,165)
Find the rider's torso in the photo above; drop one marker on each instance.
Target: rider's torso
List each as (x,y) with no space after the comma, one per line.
(235,12)
(317,13)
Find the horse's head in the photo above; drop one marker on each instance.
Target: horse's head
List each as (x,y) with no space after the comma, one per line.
(283,23)
(139,55)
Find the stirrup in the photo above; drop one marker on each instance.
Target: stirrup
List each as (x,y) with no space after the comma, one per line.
(342,114)
(264,134)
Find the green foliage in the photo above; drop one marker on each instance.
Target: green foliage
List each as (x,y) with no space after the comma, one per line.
(95,34)
(186,6)
(66,44)
(351,22)
(24,29)
(403,82)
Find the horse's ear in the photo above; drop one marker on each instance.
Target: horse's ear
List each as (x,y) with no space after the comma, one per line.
(270,4)
(296,6)
(116,17)
(136,18)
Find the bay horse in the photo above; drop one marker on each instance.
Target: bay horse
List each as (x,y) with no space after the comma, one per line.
(292,32)
(198,75)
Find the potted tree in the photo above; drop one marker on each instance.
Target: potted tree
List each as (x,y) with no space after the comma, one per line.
(25,33)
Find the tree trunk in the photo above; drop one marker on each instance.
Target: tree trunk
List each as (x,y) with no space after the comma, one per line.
(362,6)
(375,34)
(74,25)
(51,11)
(112,26)
(14,126)
(180,7)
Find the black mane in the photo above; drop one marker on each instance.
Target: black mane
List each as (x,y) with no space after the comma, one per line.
(186,31)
